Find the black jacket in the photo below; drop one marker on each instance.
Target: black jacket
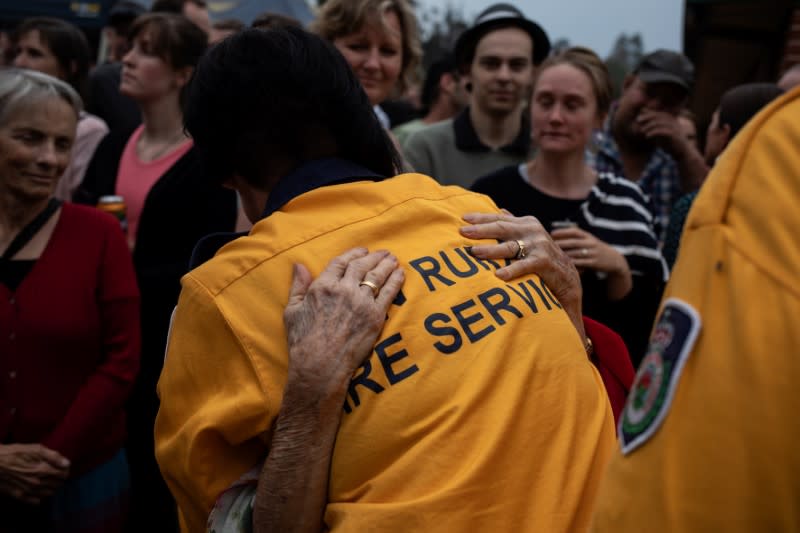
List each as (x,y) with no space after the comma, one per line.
(180,209)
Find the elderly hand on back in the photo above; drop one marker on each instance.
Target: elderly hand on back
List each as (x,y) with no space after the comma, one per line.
(333,321)
(542,256)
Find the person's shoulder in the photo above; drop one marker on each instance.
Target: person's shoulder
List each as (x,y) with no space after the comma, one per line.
(223,261)
(89,123)
(499,177)
(88,221)
(107,69)
(611,183)
(408,127)
(431,133)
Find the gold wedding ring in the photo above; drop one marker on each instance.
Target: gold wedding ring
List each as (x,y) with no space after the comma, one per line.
(521,253)
(375,288)
(584,252)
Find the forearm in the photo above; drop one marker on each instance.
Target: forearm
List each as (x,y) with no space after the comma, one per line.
(293,488)
(619,285)
(692,167)
(574,310)
(620,279)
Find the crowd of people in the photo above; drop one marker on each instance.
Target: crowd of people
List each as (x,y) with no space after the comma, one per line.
(316,312)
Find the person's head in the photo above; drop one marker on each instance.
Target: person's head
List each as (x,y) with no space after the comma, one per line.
(269,20)
(688,124)
(224,28)
(194,10)
(120,19)
(736,107)
(38,119)
(443,83)
(571,97)
(378,38)
(54,47)
(166,48)
(790,78)
(497,57)
(661,82)
(263,102)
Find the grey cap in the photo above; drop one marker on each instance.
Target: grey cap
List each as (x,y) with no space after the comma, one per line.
(666,66)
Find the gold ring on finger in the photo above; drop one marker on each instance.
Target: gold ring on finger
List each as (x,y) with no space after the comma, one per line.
(584,252)
(522,252)
(375,289)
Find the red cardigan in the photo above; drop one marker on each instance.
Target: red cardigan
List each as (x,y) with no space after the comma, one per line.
(612,361)
(69,342)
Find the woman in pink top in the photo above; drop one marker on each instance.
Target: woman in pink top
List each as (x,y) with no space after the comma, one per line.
(171,205)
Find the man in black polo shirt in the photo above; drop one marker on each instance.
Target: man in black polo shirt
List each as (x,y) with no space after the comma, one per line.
(497,55)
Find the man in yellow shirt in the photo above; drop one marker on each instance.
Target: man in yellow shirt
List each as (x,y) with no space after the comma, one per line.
(709,436)
(478,407)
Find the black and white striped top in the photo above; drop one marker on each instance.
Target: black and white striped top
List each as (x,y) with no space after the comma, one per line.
(615,211)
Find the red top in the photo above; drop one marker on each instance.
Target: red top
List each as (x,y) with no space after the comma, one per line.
(69,342)
(612,361)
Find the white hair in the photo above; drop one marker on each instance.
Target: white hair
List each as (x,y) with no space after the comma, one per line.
(20,88)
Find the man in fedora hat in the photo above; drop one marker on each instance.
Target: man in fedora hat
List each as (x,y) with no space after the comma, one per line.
(643,140)
(497,56)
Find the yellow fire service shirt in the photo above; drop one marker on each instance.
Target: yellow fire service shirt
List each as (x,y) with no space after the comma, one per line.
(710,435)
(478,409)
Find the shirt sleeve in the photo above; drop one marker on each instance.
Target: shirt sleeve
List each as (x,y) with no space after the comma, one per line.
(233,511)
(417,153)
(103,395)
(91,131)
(215,416)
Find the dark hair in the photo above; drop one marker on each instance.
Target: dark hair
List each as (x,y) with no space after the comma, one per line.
(268,20)
(174,6)
(430,88)
(229,25)
(167,6)
(175,39)
(265,98)
(67,43)
(122,15)
(740,104)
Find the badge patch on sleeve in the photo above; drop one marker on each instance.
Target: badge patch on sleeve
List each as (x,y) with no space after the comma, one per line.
(657,378)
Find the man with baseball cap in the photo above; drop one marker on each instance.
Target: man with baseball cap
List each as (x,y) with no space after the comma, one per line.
(642,139)
(497,56)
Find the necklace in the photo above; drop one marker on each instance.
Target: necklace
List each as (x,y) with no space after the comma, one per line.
(148,156)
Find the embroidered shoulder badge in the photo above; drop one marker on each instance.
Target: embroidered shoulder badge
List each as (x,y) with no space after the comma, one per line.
(657,378)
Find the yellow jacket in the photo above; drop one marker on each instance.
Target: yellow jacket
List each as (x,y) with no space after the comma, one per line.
(477,411)
(711,430)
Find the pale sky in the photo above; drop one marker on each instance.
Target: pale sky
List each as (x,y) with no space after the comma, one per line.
(594,23)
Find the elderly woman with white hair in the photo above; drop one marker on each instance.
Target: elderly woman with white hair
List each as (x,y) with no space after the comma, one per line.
(69,326)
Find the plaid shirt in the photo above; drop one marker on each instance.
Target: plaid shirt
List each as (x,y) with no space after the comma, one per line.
(660,180)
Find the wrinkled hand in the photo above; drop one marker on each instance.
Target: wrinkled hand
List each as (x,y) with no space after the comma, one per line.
(543,257)
(588,252)
(31,472)
(332,323)
(663,128)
